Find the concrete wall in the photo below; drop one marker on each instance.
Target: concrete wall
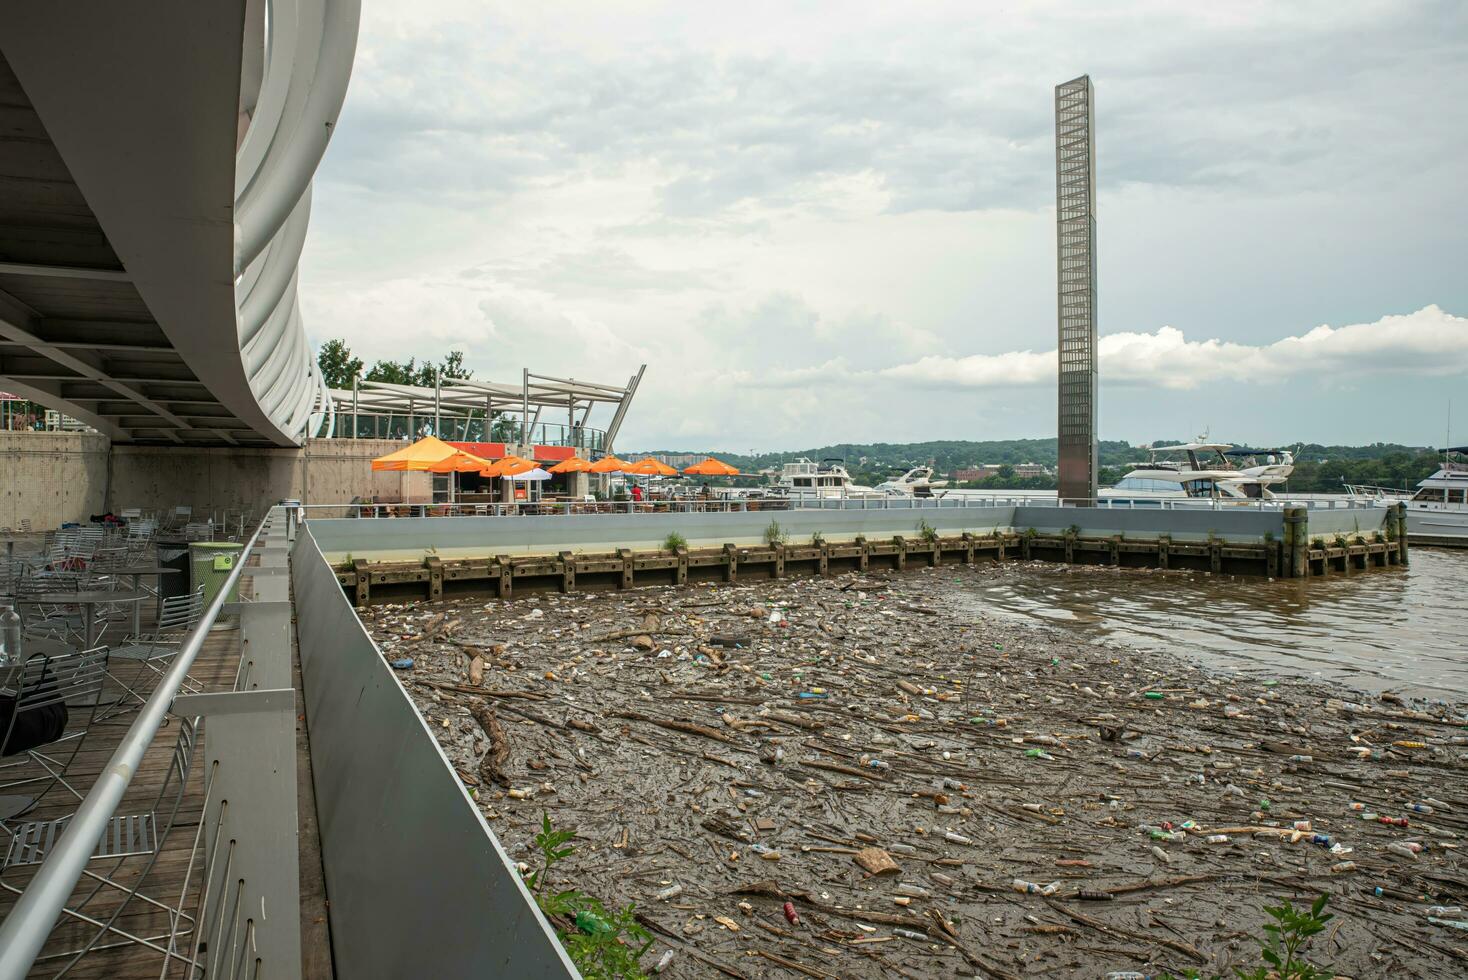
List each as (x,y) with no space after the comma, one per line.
(53,477)
(49,478)
(406,538)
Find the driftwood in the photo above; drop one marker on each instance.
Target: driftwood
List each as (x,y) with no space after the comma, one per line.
(1140,937)
(844,770)
(491,767)
(677,726)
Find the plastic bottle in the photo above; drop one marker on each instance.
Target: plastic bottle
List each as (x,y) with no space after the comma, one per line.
(1342,867)
(908,934)
(1439,804)
(1126,975)
(592,924)
(791,916)
(10,651)
(672,891)
(915,891)
(1218,838)
(1405,850)
(1355,806)
(1039,754)
(663,962)
(1161,855)
(902,848)
(1418,808)
(957,838)
(1030,888)
(1444,910)
(1450,923)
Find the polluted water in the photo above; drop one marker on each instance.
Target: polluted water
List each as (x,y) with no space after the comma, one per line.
(866,776)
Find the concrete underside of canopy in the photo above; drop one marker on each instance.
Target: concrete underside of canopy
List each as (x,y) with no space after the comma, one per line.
(54,477)
(117,172)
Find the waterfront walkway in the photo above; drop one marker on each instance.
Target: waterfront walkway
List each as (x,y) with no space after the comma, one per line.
(176,878)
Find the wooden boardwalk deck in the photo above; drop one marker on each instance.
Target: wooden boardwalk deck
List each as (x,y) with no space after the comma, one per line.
(176,877)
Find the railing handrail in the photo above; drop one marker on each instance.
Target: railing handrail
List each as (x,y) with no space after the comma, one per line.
(684,505)
(26,928)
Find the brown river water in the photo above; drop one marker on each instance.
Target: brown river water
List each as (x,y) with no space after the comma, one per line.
(1403,630)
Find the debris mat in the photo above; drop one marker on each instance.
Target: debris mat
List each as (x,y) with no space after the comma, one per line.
(864,776)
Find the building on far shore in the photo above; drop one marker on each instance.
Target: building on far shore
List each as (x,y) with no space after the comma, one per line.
(982,471)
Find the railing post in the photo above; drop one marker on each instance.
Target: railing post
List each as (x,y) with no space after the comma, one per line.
(251,899)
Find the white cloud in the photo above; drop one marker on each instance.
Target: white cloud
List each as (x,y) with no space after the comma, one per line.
(800,216)
(1427,342)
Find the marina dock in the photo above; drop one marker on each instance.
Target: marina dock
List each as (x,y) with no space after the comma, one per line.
(1280,543)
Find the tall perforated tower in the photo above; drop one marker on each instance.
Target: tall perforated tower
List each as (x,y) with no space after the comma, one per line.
(1075,229)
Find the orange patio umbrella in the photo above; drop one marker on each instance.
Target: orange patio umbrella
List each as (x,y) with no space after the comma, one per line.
(711,467)
(573,465)
(459,462)
(651,467)
(419,456)
(509,466)
(608,464)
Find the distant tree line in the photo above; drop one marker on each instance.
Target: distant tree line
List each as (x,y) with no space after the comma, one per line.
(1318,468)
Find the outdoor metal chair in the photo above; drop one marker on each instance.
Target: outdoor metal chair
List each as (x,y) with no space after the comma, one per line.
(130,844)
(13,573)
(52,704)
(154,651)
(57,620)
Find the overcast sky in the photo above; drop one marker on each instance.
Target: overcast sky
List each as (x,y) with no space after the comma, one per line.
(835,222)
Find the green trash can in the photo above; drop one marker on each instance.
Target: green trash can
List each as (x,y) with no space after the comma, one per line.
(210,563)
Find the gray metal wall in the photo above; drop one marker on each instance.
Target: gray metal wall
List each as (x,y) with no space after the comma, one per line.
(1180,523)
(450,537)
(418,885)
(1330,522)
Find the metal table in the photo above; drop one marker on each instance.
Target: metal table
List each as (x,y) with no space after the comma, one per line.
(89,601)
(137,572)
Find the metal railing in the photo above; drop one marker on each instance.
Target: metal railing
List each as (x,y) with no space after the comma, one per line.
(25,930)
(741,504)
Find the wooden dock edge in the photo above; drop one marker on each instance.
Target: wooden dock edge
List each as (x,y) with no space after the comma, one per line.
(433,578)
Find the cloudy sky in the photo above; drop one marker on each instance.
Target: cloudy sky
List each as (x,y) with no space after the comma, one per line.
(821,222)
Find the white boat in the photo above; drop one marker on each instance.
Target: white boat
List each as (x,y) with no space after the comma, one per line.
(916,482)
(1196,470)
(827,479)
(1439,507)
(1271,465)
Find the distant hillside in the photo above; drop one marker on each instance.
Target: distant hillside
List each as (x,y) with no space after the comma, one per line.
(1319,468)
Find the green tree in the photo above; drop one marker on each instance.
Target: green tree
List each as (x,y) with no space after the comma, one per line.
(453,366)
(399,372)
(338,366)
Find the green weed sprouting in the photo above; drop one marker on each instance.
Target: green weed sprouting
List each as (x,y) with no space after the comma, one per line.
(674,541)
(774,534)
(817,539)
(1282,948)
(604,945)
(927,531)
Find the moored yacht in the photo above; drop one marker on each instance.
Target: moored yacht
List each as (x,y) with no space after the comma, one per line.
(826,479)
(1439,507)
(916,482)
(1196,470)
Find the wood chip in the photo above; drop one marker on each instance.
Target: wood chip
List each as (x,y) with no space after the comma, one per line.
(876,861)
